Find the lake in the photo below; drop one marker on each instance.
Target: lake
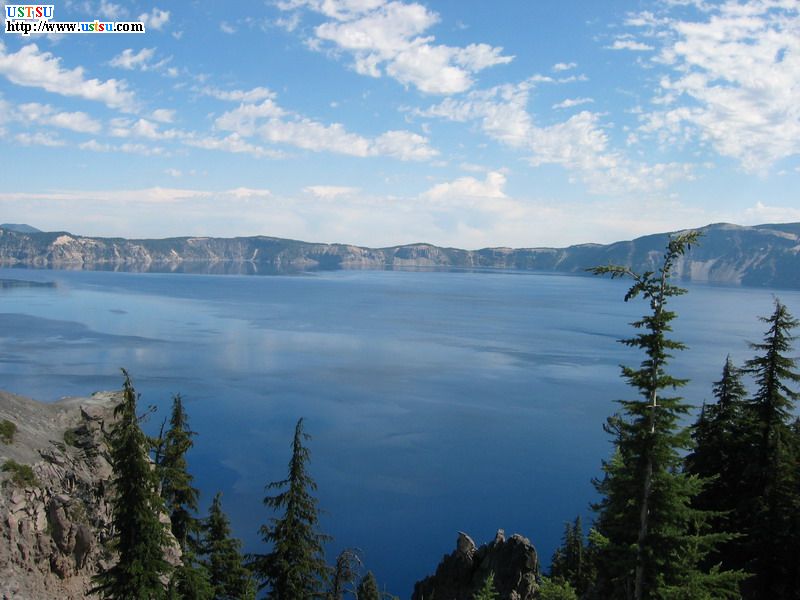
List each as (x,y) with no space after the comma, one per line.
(438,402)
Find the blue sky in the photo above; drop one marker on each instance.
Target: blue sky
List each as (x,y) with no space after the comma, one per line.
(464,123)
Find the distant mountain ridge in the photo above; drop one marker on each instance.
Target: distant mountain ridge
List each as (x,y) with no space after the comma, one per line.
(761,255)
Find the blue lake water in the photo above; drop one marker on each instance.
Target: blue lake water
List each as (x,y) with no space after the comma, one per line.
(437,402)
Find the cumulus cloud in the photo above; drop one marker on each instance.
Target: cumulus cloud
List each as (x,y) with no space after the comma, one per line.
(732,79)
(633,45)
(155,19)
(253,95)
(38,139)
(44,114)
(389,37)
(564,66)
(330,191)
(269,122)
(469,187)
(128,59)
(580,144)
(31,67)
(572,102)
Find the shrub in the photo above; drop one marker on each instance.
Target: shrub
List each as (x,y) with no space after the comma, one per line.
(22,475)
(7,431)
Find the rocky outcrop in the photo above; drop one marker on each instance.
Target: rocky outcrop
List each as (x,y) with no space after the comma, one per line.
(54,528)
(763,255)
(460,575)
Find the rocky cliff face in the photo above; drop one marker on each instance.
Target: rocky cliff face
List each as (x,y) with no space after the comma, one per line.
(55,525)
(765,255)
(461,574)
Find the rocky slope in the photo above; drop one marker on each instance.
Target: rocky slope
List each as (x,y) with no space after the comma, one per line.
(54,527)
(763,255)
(460,575)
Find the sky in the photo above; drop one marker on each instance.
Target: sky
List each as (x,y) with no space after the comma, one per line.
(461,123)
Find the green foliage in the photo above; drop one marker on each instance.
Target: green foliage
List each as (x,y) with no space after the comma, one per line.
(71,438)
(7,431)
(228,576)
(180,497)
(487,591)
(769,496)
(21,475)
(190,581)
(139,536)
(645,514)
(368,588)
(295,568)
(345,574)
(572,561)
(556,588)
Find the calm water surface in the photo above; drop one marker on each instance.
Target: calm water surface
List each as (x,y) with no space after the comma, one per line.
(437,402)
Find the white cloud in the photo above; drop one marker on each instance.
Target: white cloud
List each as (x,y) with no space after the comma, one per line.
(388,37)
(128,148)
(572,102)
(253,95)
(469,187)
(155,19)
(232,143)
(30,67)
(226,27)
(579,144)
(38,139)
(163,115)
(173,172)
(327,192)
(271,123)
(564,66)
(403,145)
(111,11)
(732,81)
(44,114)
(762,213)
(630,45)
(129,60)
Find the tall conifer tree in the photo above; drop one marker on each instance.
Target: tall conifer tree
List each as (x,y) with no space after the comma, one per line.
(139,536)
(228,576)
(645,514)
(771,497)
(368,588)
(179,495)
(295,568)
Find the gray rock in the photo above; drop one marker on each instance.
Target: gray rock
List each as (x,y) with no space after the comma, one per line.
(460,575)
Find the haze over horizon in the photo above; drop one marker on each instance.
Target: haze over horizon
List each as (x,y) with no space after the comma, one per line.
(378,123)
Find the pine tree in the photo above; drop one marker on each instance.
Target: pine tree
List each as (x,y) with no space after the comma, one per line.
(771,494)
(569,562)
(190,581)
(720,452)
(139,536)
(295,568)
(229,578)
(645,513)
(368,588)
(180,497)
(487,591)
(343,578)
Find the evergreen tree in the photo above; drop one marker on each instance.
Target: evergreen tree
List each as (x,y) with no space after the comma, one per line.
(368,588)
(569,562)
(487,591)
(771,490)
(343,579)
(190,581)
(139,536)
(645,514)
(228,577)
(295,568)
(720,451)
(555,588)
(180,497)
